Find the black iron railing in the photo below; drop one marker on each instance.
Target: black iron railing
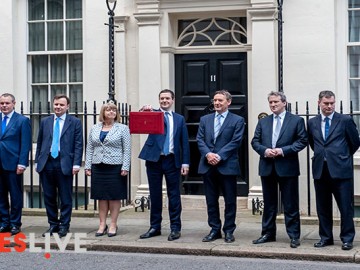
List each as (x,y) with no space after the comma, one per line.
(88,118)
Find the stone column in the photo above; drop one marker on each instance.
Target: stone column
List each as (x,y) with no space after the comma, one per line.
(149,64)
(262,77)
(120,57)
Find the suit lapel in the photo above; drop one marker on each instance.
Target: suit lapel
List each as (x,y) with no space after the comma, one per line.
(318,126)
(334,123)
(226,122)
(11,122)
(66,125)
(284,124)
(268,125)
(175,124)
(211,127)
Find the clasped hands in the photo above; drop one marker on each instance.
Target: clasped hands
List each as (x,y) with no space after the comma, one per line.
(272,153)
(213,159)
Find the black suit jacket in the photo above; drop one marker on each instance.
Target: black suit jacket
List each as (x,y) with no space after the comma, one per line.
(341,144)
(292,139)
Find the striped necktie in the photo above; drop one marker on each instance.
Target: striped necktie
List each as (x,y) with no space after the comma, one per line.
(276,131)
(217,126)
(166,147)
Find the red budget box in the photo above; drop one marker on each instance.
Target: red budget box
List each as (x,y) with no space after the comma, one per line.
(146,122)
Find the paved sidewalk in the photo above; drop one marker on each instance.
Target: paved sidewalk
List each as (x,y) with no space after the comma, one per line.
(132,224)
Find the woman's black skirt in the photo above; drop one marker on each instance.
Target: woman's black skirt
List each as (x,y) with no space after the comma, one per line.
(107,182)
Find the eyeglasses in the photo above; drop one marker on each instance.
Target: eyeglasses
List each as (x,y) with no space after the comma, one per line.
(111,109)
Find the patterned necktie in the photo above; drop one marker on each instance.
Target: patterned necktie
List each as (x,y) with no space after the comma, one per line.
(276,131)
(166,147)
(55,140)
(327,127)
(3,124)
(217,126)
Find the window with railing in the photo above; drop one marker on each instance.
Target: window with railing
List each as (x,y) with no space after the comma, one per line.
(354,52)
(55,43)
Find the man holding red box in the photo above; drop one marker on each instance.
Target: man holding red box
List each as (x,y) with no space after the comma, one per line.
(166,155)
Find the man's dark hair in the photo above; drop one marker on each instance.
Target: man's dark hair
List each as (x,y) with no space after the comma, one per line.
(326,94)
(225,93)
(167,91)
(62,96)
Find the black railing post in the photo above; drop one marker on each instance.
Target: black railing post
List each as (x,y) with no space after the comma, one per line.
(280,45)
(85,143)
(308,165)
(111,49)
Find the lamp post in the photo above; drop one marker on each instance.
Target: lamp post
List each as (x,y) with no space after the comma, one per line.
(111,4)
(280,45)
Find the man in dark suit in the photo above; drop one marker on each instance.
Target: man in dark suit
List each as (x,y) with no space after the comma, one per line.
(277,139)
(58,157)
(15,144)
(166,155)
(219,138)
(334,139)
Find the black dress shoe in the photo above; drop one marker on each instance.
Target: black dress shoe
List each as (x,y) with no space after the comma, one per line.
(229,238)
(212,236)
(174,235)
(15,230)
(51,230)
(347,246)
(63,232)
(4,229)
(114,233)
(97,234)
(150,233)
(294,243)
(265,239)
(323,243)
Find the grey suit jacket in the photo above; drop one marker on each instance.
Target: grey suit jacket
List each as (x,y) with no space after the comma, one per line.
(226,146)
(292,139)
(341,144)
(116,148)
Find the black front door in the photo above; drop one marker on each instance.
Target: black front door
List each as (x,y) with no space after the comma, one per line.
(197,77)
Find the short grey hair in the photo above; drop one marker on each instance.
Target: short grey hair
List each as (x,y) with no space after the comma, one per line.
(277,94)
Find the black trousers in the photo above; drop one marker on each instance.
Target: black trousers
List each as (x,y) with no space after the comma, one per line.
(289,188)
(55,183)
(342,189)
(214,183)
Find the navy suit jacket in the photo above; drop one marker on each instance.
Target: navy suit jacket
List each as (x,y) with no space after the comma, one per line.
(71,143)
(341,144)
(292,139)
(154,144)
(15,143)
(226,146)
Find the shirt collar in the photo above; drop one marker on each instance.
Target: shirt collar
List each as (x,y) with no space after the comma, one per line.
(170,112)
(62,117)
(330,116)
(8,115)
(281,115)
(224,114)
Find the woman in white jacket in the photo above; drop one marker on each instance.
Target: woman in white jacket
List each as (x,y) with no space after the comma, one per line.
(108,154)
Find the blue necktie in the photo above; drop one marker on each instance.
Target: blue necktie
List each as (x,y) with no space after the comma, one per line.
(217,126)
(327,127)
(3,124)
(166,147)
(55,140)
(276,131)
